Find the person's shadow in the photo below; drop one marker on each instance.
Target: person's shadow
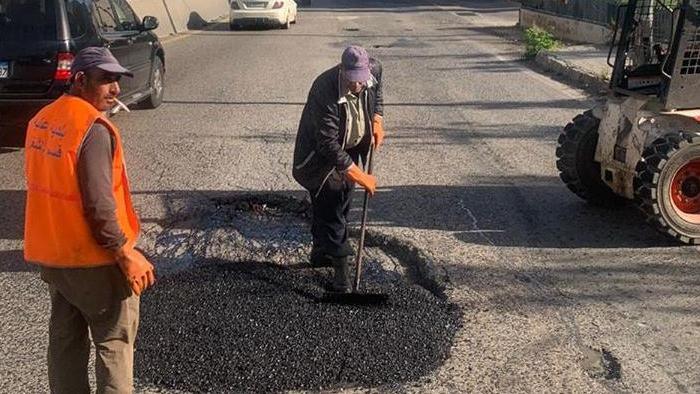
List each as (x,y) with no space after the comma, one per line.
(196,22)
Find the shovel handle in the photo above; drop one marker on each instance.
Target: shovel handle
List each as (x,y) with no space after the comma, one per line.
(363,225)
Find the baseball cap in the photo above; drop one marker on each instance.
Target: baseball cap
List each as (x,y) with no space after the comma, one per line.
(355,62)
(99,57)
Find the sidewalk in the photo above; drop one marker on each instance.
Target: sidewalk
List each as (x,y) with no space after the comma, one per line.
(583,64)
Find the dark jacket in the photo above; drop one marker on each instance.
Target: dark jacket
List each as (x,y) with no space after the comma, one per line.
(320,143)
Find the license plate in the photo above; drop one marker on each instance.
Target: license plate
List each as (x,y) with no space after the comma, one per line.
(4,70)
(256,5)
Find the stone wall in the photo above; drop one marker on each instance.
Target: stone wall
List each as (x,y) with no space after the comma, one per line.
(566,28)
(178,16)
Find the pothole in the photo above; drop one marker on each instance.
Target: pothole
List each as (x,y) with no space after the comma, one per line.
(267,204)
(236,307)
(601,364)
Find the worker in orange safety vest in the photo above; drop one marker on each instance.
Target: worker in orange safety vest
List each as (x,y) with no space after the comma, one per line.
(81,229)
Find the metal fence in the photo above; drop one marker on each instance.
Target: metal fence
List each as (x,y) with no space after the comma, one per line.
(601,12)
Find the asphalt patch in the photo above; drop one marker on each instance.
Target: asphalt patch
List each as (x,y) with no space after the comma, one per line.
(257,327)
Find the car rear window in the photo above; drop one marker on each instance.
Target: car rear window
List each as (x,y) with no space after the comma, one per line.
(78,13)
(27,20)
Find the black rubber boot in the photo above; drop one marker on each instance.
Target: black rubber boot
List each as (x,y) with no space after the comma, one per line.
(345,250)
(318,258)
(341,278)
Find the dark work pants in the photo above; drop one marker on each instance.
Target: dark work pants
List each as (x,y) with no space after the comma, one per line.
(331,207)
(329,227)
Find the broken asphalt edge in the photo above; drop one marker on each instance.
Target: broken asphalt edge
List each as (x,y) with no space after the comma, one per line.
(550,62)
(421,268)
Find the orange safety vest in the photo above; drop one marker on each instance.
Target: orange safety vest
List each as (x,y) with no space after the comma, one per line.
(56,231)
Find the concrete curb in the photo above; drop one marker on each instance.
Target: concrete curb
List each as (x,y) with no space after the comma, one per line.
(551,62)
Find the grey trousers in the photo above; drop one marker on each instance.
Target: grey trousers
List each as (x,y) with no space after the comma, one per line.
(91,303)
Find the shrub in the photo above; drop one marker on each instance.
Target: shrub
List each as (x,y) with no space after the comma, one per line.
(538,39)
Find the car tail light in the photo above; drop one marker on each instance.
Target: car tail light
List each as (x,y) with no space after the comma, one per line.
(234,5)
(65,60)
(278,4)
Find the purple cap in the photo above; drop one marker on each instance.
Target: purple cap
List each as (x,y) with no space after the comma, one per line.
(99,57)
(355,62)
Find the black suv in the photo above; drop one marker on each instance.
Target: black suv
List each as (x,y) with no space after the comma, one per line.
(39,39)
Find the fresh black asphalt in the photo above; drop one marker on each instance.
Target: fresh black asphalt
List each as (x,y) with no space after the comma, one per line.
(257,327)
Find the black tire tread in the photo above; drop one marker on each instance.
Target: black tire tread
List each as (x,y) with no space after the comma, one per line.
(595,191)
(654,158)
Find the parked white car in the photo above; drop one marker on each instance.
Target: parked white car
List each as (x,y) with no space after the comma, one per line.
(280,13)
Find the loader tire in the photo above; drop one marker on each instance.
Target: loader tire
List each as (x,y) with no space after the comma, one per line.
(576,162)
(667,185)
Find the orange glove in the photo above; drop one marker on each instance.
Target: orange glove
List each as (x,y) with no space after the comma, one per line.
(369,182)
(378,130)
(139,272)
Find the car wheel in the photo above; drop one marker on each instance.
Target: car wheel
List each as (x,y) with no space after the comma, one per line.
(157,85)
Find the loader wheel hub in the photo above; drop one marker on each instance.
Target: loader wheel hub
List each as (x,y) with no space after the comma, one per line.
(685,189)
(690,187)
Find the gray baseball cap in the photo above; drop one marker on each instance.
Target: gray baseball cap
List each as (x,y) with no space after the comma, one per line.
(99,57)
(355,61)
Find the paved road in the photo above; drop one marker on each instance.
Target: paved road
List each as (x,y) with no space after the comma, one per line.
(467,176)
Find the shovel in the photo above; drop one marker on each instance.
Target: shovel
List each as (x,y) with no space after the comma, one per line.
(355,297)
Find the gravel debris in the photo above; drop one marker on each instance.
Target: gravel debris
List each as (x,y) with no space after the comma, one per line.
(248,227)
